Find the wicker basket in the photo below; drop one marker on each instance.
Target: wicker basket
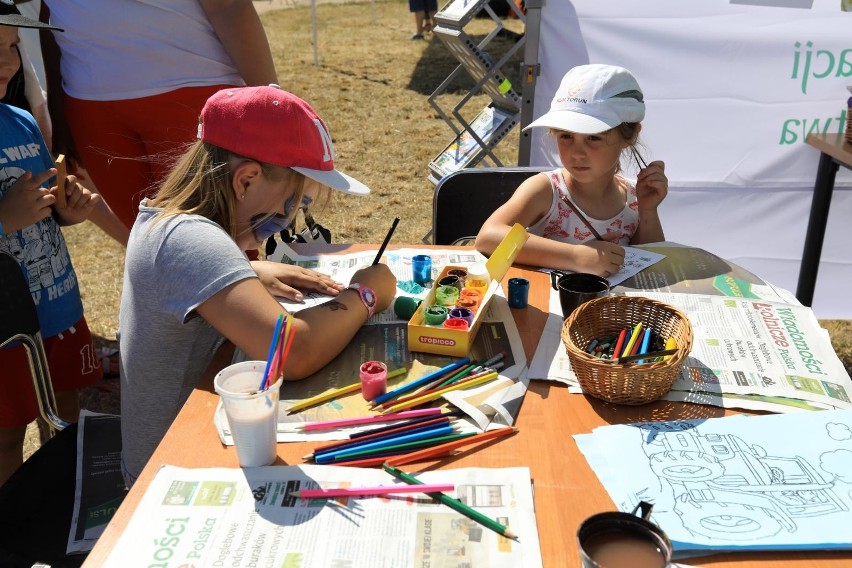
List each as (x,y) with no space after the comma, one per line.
(625,383)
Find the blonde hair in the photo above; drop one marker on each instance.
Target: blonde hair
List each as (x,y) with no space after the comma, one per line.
(200,184)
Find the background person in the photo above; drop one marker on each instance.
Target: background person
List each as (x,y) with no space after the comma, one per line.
(29,231)
(126,84)
(595,117)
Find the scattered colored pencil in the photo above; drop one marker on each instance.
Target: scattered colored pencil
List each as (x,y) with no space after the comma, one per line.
(454,504)
(397,448)
(361,420)
(640,356)
(447,448)
(438,393)
(406,424)
(421,381)
(634,337)
(405,429)
(383,445)
(368,491)
(336,393)
(419,394)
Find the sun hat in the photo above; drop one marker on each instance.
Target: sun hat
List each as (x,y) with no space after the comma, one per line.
(270,125)
(592,99)
(10,16)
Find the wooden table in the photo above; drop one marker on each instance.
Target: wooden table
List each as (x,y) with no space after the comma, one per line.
(566,488)
(834,152)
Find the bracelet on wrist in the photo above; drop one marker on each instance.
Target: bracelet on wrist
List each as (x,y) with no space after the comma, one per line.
(367,295)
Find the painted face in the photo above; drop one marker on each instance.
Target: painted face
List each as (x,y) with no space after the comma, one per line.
(590,157)
(10,60)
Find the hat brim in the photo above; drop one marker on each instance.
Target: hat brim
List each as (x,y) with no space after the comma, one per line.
(572,122)
(336,180)
(19,21)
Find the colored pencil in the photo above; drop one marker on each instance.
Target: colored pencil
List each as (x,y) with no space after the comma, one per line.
(421,381)
(646,340)
(336,393)
(386,241)
(435,451)
(273,343)
(426,392)
(438,393)
(454,504)
(375,461)
(384,445)
(283,352)
(369,491)
(407,429)
(638,357)
(406,424)
(361,420)
(396,448)
(634,337)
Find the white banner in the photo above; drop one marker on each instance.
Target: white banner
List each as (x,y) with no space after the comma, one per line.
(732,87)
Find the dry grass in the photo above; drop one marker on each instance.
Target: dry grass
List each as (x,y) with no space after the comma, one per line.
(371,86)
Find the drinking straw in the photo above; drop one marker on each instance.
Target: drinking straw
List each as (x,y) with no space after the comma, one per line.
(272,344)
(469,383)
(432,390)
(386,241)
(421,381)
(396,448)
(369,491)
(360,420)
(454,504)
(384,445)
(407,429)
(335,393)
(447,448)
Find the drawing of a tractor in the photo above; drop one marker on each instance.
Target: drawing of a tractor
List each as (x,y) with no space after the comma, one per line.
(725,488)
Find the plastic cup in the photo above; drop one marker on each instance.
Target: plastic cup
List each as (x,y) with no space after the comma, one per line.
(519,291)
(421,268)
(374,379)
(252,414)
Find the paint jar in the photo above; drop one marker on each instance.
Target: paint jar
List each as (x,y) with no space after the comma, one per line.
(374,379)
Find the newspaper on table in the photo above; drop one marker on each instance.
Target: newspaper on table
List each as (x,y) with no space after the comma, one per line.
(384,338)
(750,370)
(736,483)
(247,518)
(99,488)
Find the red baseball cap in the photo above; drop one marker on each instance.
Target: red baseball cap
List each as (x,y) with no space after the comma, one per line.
(270,125)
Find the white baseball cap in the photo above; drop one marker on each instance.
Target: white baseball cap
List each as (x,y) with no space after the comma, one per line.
(593,99)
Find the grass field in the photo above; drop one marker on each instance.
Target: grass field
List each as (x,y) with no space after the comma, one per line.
(371,85)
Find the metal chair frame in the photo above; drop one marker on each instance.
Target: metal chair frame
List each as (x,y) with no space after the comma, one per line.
(19,323)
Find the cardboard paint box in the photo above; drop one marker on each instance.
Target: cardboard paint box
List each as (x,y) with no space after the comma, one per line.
(455,342)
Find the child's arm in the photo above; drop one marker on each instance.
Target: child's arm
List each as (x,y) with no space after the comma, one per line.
(26,202)
(285,280)
(530,202)
(246,314)
(79,201)
(652,186)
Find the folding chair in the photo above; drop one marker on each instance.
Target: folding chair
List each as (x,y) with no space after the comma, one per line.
(464,199)
(19,322)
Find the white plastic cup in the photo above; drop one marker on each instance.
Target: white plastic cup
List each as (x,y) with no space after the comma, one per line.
(252,414)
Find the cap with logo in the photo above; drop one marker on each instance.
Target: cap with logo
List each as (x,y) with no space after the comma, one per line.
(10,16)
(270,125)
(592,99)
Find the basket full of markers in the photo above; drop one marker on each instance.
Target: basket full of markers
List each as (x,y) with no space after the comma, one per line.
(626,349)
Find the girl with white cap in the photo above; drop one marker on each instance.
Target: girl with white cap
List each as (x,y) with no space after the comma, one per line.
(581,215)
(188,285)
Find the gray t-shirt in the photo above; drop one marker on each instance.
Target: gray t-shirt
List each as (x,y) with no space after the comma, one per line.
(171,268)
